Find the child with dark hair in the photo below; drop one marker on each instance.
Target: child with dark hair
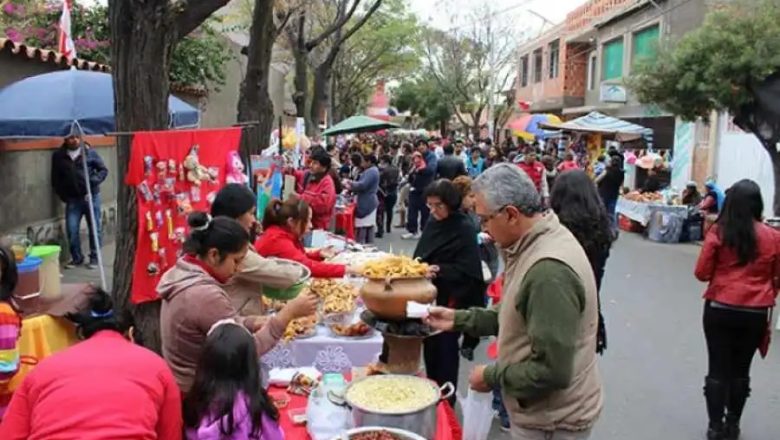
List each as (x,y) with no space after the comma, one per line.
(103,387)
(227,400)
(10,326)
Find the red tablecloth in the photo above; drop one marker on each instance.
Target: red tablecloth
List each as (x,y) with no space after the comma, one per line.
(345,221)
(447,428)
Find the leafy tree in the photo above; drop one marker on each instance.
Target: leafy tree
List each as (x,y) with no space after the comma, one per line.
(472,62)
(197,60)
(731,63)
(254,102)
(317,23)
(388,49)
(424,98)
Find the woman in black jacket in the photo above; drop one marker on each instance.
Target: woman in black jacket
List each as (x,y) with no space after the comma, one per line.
(575,199)
(449,244)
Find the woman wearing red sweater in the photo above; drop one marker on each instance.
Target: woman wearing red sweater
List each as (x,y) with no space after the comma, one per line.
(284,225)
(103,388)
(739,260)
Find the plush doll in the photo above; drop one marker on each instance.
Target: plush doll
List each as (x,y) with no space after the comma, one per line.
(196,173)
(235,169)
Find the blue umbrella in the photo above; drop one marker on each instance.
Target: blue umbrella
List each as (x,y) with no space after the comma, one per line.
(49,105)
(67,102)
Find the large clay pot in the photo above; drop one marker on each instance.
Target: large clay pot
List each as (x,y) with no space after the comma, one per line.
(387,298)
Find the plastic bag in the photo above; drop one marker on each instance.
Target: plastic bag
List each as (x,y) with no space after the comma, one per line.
(324,419)
(477,415)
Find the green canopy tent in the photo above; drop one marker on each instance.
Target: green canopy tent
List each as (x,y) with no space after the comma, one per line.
(358,124)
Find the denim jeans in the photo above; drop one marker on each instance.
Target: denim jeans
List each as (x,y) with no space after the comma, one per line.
(75,210)
(418,210)
(611,206)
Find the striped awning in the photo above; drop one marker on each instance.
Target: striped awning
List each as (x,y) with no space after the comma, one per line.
(596,122)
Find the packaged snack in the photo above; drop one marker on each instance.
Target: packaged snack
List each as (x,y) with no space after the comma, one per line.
(149,222)
(146,193)
(148,164)
(155,237)
(158,217)
(195,194)
(169,224)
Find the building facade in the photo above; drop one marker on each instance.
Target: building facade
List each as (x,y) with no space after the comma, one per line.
(600,43)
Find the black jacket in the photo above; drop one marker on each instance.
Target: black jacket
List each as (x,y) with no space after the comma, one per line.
(450,167)
(67,175)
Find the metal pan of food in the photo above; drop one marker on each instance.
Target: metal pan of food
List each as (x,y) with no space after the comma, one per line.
(397,401)
(378,433)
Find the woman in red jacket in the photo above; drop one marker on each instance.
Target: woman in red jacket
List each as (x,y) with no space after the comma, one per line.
(284,225)
(739,260)
(103,388)
(320,191)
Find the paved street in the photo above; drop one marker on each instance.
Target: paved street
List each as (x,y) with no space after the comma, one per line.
(654,366)
(653,369)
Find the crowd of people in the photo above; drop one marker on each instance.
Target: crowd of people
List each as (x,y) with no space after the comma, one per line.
(552,221)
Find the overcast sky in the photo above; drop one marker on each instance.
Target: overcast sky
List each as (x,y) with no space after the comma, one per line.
(438,12)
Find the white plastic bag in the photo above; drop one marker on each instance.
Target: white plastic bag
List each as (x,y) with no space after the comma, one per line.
(324,419)
(477,415)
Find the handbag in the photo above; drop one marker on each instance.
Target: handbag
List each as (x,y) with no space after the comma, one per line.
(763,347)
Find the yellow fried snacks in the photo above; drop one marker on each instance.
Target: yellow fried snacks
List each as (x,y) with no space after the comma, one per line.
(391,394)
(337,297)
(395,267)
(300,327)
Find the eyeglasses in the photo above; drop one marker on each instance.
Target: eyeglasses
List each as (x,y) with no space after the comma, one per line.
(437,205)
(483,220)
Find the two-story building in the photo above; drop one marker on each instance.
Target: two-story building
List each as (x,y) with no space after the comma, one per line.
(596,49)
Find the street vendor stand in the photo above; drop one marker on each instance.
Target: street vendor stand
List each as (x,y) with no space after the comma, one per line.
(447,427)
(663,222)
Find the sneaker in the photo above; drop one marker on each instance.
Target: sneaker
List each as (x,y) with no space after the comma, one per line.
(72,264)
(505,427)
(90,265)
(417,236)
(408,236)
(467,353)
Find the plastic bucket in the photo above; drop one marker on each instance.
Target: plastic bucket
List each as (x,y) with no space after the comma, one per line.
(49,273)
(29,282)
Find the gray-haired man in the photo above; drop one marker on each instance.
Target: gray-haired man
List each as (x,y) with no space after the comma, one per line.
(547,320)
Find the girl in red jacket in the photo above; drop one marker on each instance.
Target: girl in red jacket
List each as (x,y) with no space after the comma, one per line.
(284,225)
(739,260)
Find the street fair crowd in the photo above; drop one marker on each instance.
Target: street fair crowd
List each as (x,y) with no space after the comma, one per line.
(255,279)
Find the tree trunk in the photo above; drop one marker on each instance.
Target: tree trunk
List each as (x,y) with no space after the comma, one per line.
(319,99)
(255,103)
(774,155)
(140,57)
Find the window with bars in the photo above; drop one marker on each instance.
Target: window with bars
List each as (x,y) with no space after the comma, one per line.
(555,54)
(612,59)
(524,71)
(538,65)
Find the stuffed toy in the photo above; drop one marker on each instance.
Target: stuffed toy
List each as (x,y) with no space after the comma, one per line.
(235,169)
(196,173)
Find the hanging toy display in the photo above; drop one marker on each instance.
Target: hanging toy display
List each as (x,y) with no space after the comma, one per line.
(235,169)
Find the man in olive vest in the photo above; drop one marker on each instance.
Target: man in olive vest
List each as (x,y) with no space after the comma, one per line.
(547,320)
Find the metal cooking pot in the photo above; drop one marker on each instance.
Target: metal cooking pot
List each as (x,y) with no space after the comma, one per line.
(420,420)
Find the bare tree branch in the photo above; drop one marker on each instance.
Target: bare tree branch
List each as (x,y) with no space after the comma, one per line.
(193,14)
(341,20)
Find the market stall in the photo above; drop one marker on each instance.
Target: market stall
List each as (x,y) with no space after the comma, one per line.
(338,370)
(660,219)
